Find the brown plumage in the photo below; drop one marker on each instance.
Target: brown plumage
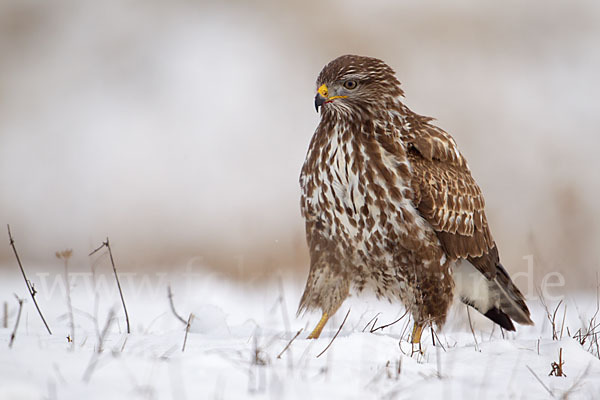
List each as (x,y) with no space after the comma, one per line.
(390,205)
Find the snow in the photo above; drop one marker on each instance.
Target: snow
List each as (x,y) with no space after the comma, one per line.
(235,344)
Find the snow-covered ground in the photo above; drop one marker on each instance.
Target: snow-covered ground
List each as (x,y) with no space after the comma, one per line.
(235,346)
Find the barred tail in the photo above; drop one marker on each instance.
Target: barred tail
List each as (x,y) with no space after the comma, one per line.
(497,298)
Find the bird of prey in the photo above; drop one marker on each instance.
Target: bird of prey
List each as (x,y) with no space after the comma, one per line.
(390,206)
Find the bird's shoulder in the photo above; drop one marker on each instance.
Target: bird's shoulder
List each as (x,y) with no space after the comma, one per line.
(447,196)
(432,142)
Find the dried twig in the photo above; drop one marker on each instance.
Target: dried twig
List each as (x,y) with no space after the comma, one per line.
(14,332)
(5,316)
(492,332)
(94,360)
(289,343)
(187,330)
(438,360)
(373,329)
(562,326)
(334,336)
(576,383)
(557,367)
(592,326)
(374,320)
(109,321)
(65,255)
(471,326)
(550,317)
(170,295)
(256,372)
(112,261)
(30,287)
(435,336)
(540,381)
(124,343)
(94,316)
(259,357)
(283,306)
(553,320)
(405,331)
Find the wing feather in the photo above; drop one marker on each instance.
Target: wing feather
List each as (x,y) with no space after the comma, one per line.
(448,197)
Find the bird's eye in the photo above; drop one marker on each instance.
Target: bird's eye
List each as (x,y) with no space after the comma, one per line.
(350,85)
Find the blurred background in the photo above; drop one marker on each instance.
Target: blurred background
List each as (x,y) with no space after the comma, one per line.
(179,128)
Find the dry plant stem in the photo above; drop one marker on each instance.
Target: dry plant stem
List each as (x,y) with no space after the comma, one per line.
(386,325)
(109,320)
(551,317)
(405,330)
(187,330)
(336,334)
(577,382)
(472,331)
(562,326)
(287,346)
(557,368)
(32,291)
(96,300)
(257,357)
(282,304)
(438,359)
(554,331)
(492,332)
(124,343)
(94,360)
(70,307)
(5,318)
(65,256)
(112,261)
(592,326)
(540,381)
(435,336)
(14,332)
(256,375)
(170,295)
(374,320)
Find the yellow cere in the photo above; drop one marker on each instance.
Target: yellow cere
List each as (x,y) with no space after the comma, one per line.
(323,91)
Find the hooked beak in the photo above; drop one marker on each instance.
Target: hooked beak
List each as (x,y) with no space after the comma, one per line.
(322,97)
(319,101)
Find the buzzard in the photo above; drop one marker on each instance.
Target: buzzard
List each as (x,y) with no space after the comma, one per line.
(390,205)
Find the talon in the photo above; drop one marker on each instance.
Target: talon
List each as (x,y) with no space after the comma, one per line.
(317,331)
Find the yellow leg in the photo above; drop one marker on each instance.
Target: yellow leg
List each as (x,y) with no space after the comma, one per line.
(317,331)
(416,333)
(416,338)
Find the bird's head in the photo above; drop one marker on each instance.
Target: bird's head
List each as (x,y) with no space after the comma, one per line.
(351,84)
